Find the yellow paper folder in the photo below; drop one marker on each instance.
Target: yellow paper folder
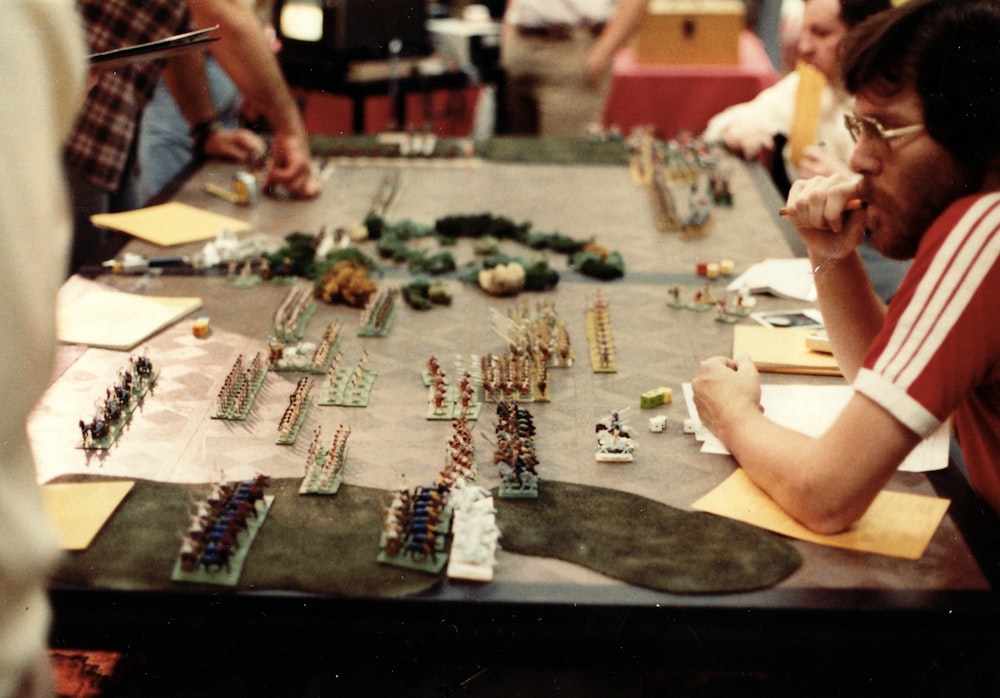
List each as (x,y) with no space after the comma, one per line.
(170,224)
(782,350)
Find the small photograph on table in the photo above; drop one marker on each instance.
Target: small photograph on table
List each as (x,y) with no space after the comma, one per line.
(808,317)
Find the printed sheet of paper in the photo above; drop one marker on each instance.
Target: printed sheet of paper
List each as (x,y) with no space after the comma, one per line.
(790,278)
(170,224)
(102,317)
(897,524)
(810,410)
(79,510)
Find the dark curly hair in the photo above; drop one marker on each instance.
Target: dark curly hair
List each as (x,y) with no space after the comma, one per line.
(948,51)
(853,12)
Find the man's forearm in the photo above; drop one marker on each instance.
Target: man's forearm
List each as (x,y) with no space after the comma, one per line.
(852,312)
(243,53)
(184,75)
(620,28)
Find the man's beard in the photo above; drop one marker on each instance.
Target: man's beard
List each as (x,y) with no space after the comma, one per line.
(899,238)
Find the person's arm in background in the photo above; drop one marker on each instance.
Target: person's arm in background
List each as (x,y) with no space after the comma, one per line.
(748,129)
(185,77)
(243,53)
(622,25)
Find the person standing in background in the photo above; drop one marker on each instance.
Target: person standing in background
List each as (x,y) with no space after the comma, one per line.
(44,67)
(557,56)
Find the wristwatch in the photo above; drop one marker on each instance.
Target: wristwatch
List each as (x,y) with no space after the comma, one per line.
(202,131)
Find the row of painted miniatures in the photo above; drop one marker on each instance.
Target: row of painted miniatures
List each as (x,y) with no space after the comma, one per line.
(683,179)
(221,530)
(324,467)
(347,387)
(515,453)
(452,402)
(417,523)
(537,331)
(119,403)
(603,355)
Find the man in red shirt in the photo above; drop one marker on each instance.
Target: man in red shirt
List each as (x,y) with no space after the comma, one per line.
(926,165)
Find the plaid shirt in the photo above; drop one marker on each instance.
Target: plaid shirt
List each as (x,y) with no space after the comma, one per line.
(105,132)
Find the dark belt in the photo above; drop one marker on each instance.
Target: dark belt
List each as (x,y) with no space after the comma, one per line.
(558,32)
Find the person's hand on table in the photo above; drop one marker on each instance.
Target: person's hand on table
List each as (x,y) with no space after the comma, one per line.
(820,208)
(723,387)
(747,141)
(239,145)
(291,168)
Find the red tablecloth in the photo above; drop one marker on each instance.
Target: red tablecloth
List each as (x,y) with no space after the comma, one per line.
(673,97)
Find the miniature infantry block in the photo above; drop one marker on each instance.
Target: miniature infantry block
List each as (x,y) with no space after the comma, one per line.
(343,394)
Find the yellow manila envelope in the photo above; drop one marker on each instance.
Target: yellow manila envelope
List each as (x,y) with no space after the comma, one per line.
(80,509)
(170,224)
(897,524)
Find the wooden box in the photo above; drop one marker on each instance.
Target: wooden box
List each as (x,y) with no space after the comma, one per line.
(691,32)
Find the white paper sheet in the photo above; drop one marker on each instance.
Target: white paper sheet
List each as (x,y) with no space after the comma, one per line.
(810,410)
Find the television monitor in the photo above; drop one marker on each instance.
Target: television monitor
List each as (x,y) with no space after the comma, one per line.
(320,38)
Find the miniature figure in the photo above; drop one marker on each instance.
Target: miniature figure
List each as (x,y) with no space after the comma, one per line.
(614,440)
(295,412)
(240,388)
(221,531)
(324,468)
(120,401)
(378,314)
(602,346)
(515,452)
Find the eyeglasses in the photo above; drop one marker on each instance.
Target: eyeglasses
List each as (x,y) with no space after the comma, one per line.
(874,132)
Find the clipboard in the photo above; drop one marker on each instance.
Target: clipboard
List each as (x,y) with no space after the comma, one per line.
(162,48)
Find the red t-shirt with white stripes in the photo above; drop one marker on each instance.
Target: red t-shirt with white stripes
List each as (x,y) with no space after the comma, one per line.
(938,353)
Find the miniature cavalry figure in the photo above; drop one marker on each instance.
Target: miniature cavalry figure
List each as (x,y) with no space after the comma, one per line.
(614,440)
(515,454)
(116,407)
(215,527)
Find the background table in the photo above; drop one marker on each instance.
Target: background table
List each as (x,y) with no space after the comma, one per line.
(674,97)
(839,606)
(427,94)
